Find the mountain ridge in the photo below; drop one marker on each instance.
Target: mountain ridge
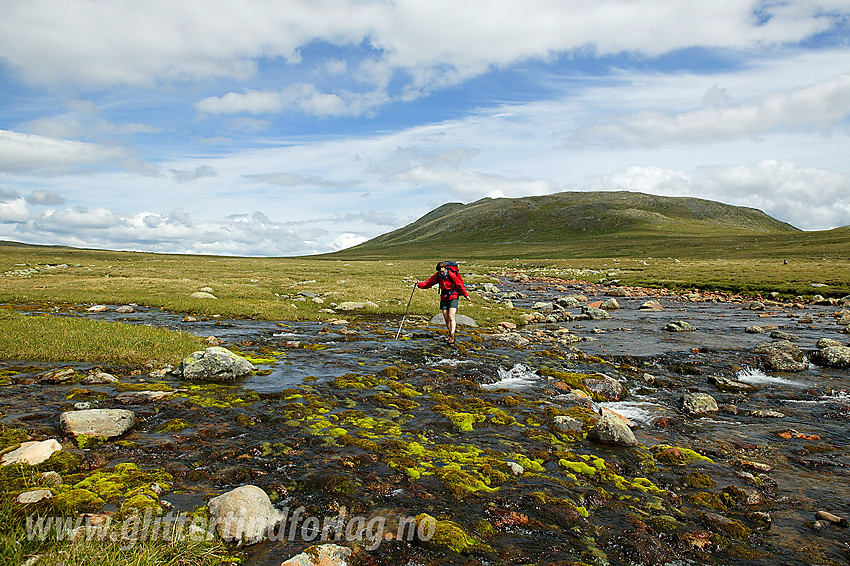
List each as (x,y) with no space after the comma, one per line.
(562,217)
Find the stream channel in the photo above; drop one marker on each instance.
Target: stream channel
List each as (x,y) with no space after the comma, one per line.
(345,416)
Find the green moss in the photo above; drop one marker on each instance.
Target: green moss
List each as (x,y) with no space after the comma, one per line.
(698,480)
(85,441)
(449,535)
(677,456)
(529,465)
(707,499)
(77,500)
(110,484)
(11,436)
(357,381)
(140,499)
(464,422)
(173,425)
(78,393)
(392,372)
(578,467)
(62,462)
(403,390)
(220,396)
(664,523)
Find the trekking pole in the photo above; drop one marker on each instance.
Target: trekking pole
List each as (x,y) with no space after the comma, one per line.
(405,310)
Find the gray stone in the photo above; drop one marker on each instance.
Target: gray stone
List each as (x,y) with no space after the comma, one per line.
(731,385)
(214,364)
(35,496)
(206,290)
(784,362)
(611,429)
(618,292)
(756,329)
(610,305)
(141,397)
(767,414)
(826,342)
(780,346)
(595,314)
(203,295)
(651,305)
(98,308)
(679,326)
(512,338)
(490,288)
(564,423)
(834,357)
(322,555)
(32,452)
(125,309)
(356,305)
(543,307)
(699,404)
(105,423)
(781,335)
(608,388)
(244,514)
(99,378)
(567,302)
(460,320)
(755,306)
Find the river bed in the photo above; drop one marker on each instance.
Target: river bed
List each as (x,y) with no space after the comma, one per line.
(345,416)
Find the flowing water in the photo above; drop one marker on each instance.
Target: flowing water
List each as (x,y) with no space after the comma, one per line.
(327,426)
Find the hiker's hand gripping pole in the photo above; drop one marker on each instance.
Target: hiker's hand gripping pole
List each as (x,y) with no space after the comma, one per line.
(415,285)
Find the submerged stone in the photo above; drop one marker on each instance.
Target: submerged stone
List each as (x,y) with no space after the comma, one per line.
(103,423)
(699,404)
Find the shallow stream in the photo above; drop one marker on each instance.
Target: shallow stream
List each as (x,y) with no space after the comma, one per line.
(344,416)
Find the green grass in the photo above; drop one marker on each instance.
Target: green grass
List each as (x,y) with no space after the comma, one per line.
(51,338)
(16,547)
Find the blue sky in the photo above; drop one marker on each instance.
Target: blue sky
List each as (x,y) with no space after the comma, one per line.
(294,127)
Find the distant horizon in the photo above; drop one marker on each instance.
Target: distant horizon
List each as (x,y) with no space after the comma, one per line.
(267,128)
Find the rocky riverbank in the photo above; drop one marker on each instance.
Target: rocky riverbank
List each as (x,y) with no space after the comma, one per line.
(593,435)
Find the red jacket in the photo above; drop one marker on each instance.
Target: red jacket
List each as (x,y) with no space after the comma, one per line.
(450,286)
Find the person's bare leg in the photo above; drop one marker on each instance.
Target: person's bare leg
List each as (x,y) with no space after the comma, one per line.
(448,323)
(452,324)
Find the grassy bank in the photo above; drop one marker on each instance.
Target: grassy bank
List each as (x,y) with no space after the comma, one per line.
(296,289)
(49,338)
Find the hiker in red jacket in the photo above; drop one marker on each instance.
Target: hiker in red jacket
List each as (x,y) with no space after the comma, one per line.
(451,287)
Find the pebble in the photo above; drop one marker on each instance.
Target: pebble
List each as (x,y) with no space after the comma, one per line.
(834,519)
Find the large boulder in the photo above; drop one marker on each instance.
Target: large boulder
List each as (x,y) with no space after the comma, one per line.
(32,453)
(103,423)
(460,319)
(834,357)
(698,404)
(243,514)
(214,364)
(610,305)
(611,429)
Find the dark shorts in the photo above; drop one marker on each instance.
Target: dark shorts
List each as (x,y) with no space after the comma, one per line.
(446,304)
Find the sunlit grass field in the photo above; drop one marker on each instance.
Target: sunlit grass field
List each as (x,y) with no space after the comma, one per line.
(54,278)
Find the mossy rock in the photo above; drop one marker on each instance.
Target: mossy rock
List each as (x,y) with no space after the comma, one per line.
(84,441)
(62,462)
(698,480)
(707,499)
(173,425)
(77,500)
(448,535)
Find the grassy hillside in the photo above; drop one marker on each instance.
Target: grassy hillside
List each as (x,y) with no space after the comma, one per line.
(573,223)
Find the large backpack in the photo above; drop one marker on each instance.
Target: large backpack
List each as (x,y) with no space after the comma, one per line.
(452,267)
